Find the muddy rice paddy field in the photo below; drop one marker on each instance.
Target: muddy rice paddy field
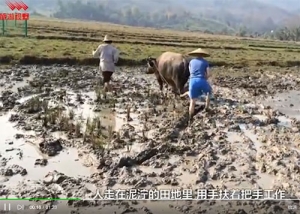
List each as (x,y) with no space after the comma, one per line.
(61,139)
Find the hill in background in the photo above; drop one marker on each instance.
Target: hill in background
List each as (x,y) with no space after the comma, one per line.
(252,14)
(226,16)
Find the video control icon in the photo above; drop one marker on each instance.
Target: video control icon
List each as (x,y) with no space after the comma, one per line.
(20,207)
(6,207)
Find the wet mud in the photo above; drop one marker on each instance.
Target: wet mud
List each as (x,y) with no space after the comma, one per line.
(62,137)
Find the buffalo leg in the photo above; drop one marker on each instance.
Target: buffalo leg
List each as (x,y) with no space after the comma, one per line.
(176,94)
(183,89)
(174,88)
(182,92)
(167,90)
(161,84)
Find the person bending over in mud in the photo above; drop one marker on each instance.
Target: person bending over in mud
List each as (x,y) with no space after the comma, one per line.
(198,84)
(108,56)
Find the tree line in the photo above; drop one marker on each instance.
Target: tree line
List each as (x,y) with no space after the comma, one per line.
(288,34)
(182,20)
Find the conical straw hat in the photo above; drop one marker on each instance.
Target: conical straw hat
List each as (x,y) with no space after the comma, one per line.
(106,39)
(199,52)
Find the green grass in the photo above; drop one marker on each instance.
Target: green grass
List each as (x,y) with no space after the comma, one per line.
(51,39)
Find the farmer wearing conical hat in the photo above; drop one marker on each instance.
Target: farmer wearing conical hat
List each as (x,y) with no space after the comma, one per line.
(198,84)
(108,56)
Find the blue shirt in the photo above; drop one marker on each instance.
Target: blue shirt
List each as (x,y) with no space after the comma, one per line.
(198,67)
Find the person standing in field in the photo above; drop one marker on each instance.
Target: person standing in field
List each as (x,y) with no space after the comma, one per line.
(108,56)
(198,84)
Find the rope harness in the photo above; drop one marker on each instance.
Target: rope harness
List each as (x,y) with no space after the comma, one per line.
(161,76)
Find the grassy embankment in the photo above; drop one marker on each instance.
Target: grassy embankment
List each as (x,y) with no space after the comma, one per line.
(71,42)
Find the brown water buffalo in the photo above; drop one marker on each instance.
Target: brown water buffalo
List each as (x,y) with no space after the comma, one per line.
(170,68)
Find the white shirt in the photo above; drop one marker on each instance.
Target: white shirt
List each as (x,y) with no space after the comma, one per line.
(108,56)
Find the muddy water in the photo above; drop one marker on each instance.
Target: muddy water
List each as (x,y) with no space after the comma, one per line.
(288,103)
(21,82)
(25,153)
(29,152)
(20,151)
(164,171)
(108,117)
